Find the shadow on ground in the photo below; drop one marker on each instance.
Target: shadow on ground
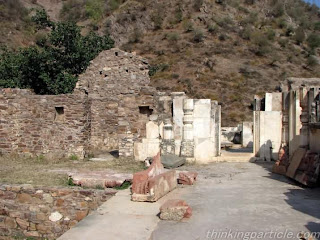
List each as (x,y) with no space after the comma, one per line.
(300,198)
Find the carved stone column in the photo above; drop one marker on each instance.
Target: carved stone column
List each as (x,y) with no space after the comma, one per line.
(167,144)
(187,145)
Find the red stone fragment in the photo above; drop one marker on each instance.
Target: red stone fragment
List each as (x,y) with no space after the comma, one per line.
(187,178)
(153,183)
(175,209)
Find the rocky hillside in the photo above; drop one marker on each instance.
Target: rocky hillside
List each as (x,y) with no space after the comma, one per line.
(227,50)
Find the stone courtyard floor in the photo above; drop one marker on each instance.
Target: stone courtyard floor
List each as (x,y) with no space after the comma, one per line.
(228,198)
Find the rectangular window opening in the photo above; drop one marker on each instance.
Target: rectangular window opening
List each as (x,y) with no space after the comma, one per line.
(59,116)
(146,110)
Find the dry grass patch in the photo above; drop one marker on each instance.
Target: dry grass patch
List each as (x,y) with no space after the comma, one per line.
(47,172)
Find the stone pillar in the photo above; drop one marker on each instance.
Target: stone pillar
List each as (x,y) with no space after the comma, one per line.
(216,115)
(168,142)
(187,145)
(126,145)
(247,134)
(304,117)
(167,130)
(285,118)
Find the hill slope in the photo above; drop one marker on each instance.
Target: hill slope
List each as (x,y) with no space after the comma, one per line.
(227,50)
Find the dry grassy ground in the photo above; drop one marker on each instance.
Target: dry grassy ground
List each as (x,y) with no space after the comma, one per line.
(44,172)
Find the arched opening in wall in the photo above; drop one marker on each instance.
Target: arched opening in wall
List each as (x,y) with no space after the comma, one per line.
(145,110)
(59,114)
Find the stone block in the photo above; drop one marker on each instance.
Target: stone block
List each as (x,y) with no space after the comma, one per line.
(187,178)
(153,183)
(22,223)
(152,130)
(172,161)
(10,222)
(204,150)
(148,148)
(175,210)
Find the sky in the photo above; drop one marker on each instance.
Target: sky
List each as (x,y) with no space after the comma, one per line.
(317,2)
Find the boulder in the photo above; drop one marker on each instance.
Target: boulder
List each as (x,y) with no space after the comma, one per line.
(175,210)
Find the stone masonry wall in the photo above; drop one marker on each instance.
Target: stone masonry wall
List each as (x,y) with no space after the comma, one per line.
(37,124)
(44,213)
(108,110)
(116,83)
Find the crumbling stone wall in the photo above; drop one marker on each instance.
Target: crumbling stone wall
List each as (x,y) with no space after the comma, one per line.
(108,110)
(45,212)
(116,83)
(36,124)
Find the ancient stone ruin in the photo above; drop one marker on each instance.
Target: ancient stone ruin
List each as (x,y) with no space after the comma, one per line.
(112,108)
(287,129)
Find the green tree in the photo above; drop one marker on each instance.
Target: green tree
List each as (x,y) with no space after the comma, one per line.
(54,67)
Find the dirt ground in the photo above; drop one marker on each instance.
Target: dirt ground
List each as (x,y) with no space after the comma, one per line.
(47,172)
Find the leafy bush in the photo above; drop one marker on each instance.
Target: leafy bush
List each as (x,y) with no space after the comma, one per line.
(246,33)
(262,43)
(136,36)
(312,61)
(95,9)
(41,39)
(188,26)
(153,69)
(178,14)
(316,26)
(12,10)
(197,4)
(223,37)
(289,31)
(278,9)
(282,23)
(198,35)
(225,23)
(157,17)
(251,19)
(73,10)
(313,41)
(52,69)
(42,19)
(300,35)
(283,42)
(212,28)
(173,37)
(271,34)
